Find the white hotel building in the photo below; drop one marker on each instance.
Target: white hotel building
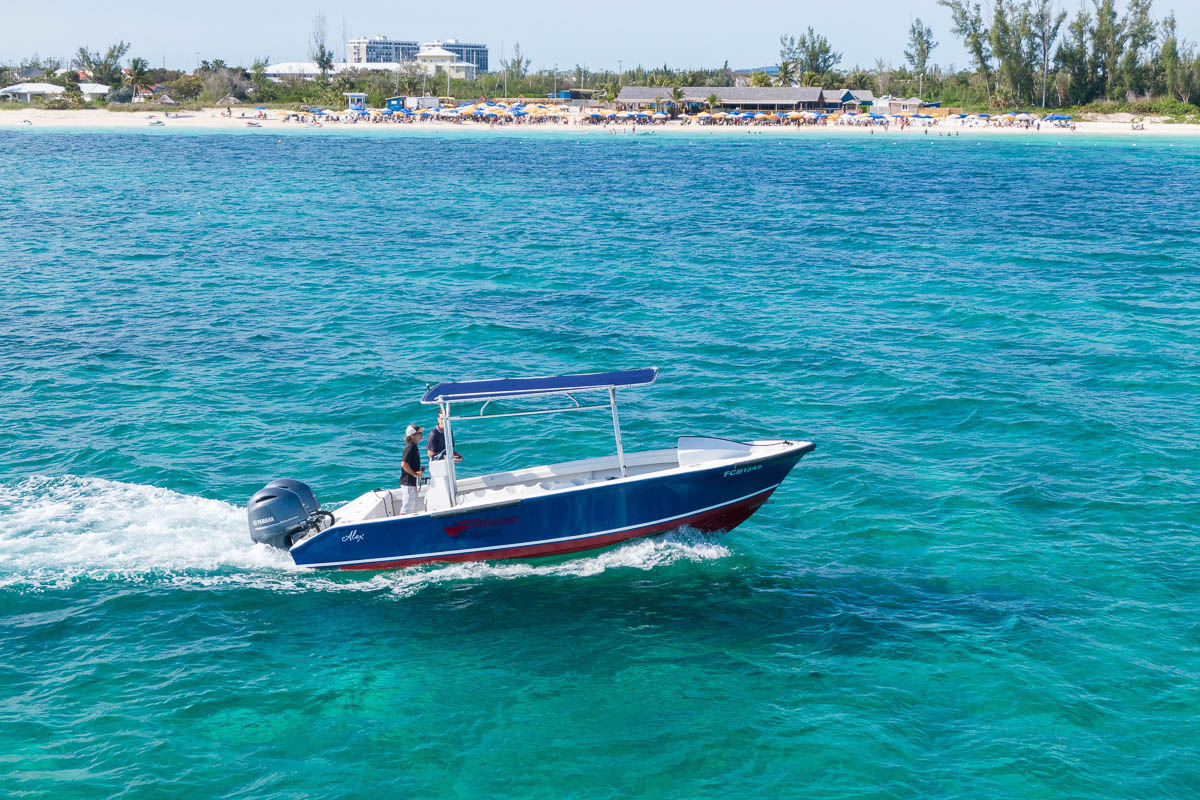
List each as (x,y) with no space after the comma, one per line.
(382,50)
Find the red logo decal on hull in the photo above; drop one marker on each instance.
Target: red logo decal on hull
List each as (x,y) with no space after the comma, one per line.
(477,525)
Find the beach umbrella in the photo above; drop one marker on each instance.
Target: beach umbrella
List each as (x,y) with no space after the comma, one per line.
(659,115)
(703,115)
(984,116)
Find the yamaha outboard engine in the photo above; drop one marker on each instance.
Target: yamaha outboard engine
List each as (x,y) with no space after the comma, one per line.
(284,512)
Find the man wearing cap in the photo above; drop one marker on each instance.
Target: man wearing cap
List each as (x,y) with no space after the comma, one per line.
(410,463)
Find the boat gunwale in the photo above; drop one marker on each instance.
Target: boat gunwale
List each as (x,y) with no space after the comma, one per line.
(801,447)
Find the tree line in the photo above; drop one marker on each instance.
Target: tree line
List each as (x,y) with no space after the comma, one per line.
(1027,52)
(1021,52)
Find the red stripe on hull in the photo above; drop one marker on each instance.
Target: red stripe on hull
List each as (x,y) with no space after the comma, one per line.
(725,518)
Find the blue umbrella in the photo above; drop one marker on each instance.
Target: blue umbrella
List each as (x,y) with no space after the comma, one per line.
(260,108)
(984,116)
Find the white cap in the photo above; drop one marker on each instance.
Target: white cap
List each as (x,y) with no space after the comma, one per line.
(411,430)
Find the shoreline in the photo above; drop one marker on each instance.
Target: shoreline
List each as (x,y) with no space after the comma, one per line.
(93,120)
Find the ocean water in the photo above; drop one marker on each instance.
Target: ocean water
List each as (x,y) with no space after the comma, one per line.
(984,582)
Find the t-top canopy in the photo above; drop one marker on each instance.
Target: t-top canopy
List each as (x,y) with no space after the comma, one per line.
(529,387)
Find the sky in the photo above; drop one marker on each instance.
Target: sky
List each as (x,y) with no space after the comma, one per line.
(697,34)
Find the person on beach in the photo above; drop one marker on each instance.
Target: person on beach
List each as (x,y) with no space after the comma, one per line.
(435,445)
(410,463)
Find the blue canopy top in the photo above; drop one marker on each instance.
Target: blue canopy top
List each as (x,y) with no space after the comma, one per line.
(530,387)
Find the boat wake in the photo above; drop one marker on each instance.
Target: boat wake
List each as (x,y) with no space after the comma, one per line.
(60,531)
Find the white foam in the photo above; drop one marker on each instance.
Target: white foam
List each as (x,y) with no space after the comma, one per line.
(57,531)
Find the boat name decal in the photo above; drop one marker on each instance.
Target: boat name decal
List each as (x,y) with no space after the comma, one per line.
(729,473)
(476,524)
(353,536)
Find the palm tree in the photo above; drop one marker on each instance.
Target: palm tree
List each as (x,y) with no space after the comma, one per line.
(760,79)
(712,101)
(137,77)
(676,98)
(786,73)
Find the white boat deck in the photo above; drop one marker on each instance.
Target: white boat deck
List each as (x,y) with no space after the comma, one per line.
(501,488)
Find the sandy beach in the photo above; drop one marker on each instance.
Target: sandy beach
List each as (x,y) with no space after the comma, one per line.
(212,119)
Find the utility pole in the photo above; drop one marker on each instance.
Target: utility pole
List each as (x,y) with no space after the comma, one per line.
(556,79)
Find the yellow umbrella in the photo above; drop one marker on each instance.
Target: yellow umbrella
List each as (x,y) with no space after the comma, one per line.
(795,115)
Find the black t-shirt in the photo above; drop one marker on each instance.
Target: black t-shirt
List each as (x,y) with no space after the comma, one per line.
(412,457)
(436,442)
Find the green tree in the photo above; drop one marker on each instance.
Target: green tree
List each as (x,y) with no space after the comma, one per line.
(1045,23)
(187,87)
(137,79)
(1108,42)
(712,101)
(786,73)
(967,19)
(920,45)
(760,78)
(676,99)
(1074,83)
(320,53)
(815,54)
(1139,26)
(517,66)
(104,68)
(1009,35)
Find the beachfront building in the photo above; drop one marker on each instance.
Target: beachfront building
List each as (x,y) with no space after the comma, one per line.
(903,106)
(746,98)
(440,61)
(849,99)
(355,101)
(476,54)
(93,91)
(28,92)
(380,50)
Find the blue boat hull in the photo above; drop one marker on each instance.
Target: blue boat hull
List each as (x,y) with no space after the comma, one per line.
(715,499)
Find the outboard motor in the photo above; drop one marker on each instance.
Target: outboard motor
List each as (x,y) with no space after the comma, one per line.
(284,512)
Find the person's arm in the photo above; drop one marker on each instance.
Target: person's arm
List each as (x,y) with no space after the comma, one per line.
(404,465)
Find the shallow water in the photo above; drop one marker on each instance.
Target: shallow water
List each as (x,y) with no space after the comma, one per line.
(983,583)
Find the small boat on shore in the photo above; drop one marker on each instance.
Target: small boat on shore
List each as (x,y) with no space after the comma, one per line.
(155,123)
(707,483)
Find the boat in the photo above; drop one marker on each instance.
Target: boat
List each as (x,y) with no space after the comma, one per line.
(707,483)
(154,123)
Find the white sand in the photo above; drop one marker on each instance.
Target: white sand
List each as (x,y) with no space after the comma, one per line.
(210,119)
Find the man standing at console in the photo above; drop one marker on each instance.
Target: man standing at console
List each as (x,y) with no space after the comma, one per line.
(435,445)
(410,463)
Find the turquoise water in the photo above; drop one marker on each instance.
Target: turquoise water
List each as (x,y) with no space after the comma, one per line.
(984,582)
